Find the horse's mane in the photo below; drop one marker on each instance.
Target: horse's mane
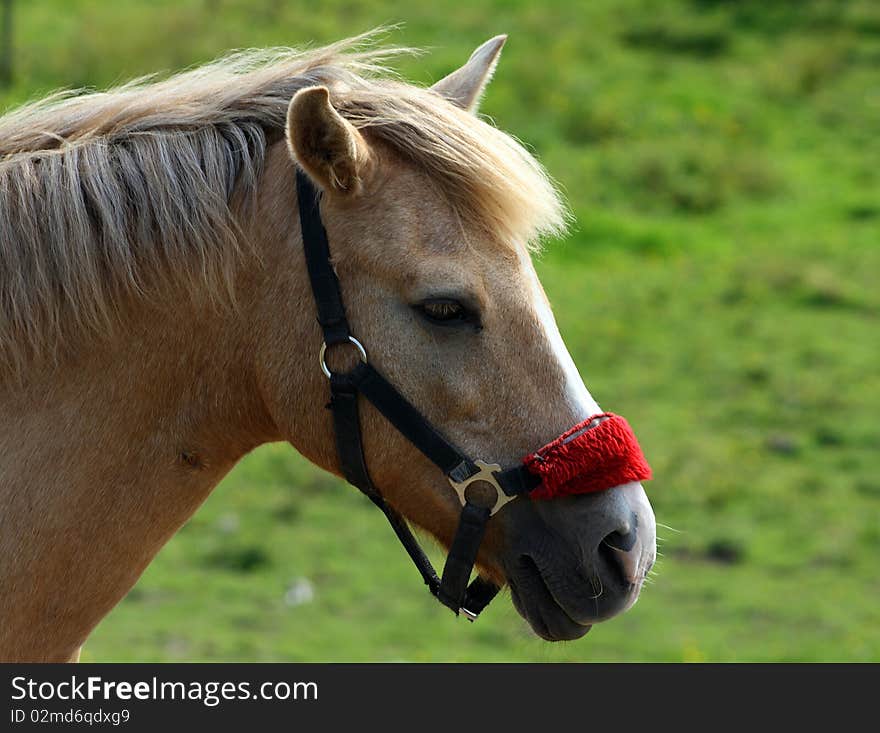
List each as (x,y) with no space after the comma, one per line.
(103,192)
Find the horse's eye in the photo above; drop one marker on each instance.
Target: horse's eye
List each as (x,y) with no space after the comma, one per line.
(446,312)
(443,310)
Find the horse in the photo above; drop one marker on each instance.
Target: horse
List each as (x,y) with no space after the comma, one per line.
(157,324)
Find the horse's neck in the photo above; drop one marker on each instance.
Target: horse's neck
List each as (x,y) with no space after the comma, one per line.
(105,458)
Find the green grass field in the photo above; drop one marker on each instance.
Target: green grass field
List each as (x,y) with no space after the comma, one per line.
(719,288)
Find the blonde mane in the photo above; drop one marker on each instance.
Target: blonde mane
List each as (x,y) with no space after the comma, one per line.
(104,194)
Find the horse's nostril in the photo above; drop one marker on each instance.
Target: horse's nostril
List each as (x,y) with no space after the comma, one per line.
(619,548)
(624,538)
(624,541)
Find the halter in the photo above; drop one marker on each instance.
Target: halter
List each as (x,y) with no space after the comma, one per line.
(594,455)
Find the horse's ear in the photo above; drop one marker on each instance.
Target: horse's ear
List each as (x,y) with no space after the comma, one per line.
(324,143)
(464,86)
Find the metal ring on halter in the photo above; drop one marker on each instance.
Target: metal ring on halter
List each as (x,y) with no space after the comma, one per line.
(485,473)
(323,353)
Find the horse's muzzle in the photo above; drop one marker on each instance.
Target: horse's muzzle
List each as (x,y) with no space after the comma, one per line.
(579,559)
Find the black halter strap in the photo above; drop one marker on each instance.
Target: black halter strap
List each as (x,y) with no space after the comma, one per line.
(452,589)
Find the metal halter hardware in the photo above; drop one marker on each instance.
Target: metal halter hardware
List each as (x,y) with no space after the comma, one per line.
(453,589)
(322,355)
(486,474)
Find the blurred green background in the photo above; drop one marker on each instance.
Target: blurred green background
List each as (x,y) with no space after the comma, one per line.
(719,287)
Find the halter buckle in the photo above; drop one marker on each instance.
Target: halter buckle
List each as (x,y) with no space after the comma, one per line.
(485,473)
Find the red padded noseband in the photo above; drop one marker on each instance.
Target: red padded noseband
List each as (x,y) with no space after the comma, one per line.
(585,459)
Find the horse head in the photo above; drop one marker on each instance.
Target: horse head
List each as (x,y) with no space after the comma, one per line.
(431,236)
